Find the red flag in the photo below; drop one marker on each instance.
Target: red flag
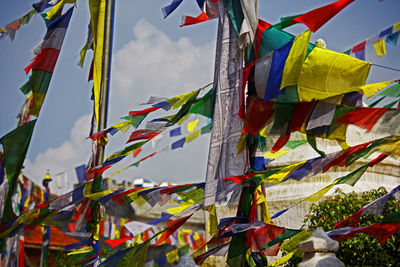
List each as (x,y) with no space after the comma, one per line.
(142,134)
(172,226)
(261,27)
(246,73)
(188,20)
(300,114)
(362,117)
(381,231)
(149,156)
(359,47)
(116,242)
(352,221)
(136,152)
(143,111)
(314,19)
(282,140)
(341,160)
(257,116)
(264,235)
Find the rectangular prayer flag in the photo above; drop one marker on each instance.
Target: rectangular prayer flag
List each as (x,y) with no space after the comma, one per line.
(295,59)
(178,144)
(379,47)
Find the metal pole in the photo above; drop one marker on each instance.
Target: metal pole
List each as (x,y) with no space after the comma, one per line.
(104,92)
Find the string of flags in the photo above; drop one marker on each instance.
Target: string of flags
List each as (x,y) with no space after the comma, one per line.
(390,35)
(292,85)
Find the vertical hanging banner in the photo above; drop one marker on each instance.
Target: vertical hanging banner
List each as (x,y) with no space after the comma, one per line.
(15,145)
(223,161)
(97,19)
(43,66)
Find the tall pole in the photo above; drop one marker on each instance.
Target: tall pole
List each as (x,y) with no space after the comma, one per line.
(102,120)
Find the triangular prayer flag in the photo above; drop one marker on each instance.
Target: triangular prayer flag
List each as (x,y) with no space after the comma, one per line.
(393,91)
(314,19)
(172,226)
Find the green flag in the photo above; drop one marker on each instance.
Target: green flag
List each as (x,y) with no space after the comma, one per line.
(15,145)
(393,91)
(205,106)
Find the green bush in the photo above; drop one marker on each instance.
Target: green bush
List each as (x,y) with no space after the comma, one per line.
(361,250)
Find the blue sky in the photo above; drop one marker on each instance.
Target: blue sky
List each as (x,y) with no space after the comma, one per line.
(151,56)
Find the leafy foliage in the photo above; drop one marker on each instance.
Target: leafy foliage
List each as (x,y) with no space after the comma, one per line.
(362,250)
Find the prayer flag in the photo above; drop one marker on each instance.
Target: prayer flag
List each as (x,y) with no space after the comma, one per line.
(175,132)
(178,144)
(191,126)
(379,47)
(172,256)
(263,236)
(142,134)
(172,226)
(192,136)
(359,50)
(393,38)
(295,59)
(362,117)
(314,19)
(272,89)
(167,10)
(326,73)
(15,145)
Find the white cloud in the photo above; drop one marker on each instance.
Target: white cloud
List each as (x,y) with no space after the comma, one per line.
(69,154)
(153,64)
(150,64)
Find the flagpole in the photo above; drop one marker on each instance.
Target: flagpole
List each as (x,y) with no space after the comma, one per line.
(103,108)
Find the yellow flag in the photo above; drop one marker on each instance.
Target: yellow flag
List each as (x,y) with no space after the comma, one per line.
(192,136)
(295,60)
(316,196)
(56,8)
(275,155)
(294,242)
(285,258)
(326,73)
(371,89)
(81,250)
(191,126)
(392,149)
(179,209)
(180,99)
(212,220)
(279,176)
(380,47)
(98,195)
(396,26)
(241,145)
(97,15)
(184,118)
(172,256)
(262,201)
